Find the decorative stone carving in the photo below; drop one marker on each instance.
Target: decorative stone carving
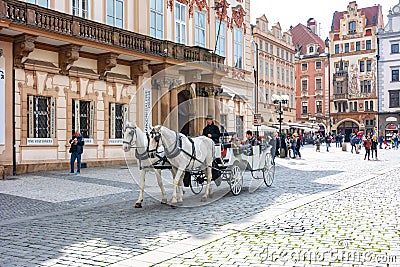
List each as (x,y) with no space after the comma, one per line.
(105,63)
(238,15)
(23,45)
(139,68)
(221,8)
(67,55)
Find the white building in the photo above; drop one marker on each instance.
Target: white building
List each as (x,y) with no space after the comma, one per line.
(388,74)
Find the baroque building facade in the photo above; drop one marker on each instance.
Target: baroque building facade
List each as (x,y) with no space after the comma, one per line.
(312,73)
(388,75)
(275,70)
(353,69)
(94,65)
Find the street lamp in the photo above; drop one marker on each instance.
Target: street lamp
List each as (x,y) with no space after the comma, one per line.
(255,68)
(279,100)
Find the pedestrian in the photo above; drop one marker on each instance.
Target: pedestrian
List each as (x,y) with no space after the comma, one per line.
(380,141)
(77,142)
(298,145)
(353,141)
(327,142)
(396,141)
(274,143)
(367,145)
(374,147)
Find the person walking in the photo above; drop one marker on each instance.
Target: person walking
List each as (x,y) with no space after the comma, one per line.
(77,142)
(380,141)
(298,145)
(396,141)
(367,145)
(374,147)
(327,142)
(353,141)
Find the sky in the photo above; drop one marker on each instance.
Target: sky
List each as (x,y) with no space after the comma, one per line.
(293,12)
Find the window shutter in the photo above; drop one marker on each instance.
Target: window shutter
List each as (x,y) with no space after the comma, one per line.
(125,110)
(31,132)
(77,116)
(52,117)
(112,120)
(91,118)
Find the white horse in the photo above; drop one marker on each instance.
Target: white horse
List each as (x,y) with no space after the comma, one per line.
(134,137)
(184,153)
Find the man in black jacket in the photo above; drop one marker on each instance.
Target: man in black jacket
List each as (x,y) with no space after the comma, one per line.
(76,151)
(211,130)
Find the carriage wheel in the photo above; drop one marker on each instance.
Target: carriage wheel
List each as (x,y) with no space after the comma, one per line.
(269,170)
(236,180)
(196,183)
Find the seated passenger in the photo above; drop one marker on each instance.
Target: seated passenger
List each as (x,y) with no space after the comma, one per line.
(211,130)
(252,140)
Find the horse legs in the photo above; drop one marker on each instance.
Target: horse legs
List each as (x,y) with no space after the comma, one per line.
(160,184)
(141,189)
(176,184)
(180,191)
(208,187)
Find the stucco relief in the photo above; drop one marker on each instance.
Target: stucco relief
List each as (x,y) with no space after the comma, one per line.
(353,83)
(41,79)
(83,86)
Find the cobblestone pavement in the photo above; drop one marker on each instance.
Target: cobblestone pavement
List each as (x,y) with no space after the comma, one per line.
(51,218)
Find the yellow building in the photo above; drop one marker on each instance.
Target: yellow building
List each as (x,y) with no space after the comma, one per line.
(93,65)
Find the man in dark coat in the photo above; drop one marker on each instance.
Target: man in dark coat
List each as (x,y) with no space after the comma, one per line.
(211,130)
(76,151)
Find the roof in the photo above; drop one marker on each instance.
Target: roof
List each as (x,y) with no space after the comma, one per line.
(373,15)
(303,36)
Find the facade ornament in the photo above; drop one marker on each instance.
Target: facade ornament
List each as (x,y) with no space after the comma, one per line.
(23,46)
(139,68)
(105,63)
(67,55)
(221,8)
(238,15)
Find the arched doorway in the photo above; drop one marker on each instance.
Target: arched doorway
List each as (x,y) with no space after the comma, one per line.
(347,128)
(184,112)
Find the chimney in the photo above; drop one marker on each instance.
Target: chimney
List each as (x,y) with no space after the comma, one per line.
(312,25)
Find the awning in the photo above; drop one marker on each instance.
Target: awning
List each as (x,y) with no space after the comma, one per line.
(264,128)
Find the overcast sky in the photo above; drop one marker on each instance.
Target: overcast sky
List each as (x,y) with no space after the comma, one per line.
(293,12)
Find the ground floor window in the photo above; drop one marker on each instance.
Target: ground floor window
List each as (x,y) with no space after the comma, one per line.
(83,117)
(394,99)
(239,126)
(118,118)
(41,117)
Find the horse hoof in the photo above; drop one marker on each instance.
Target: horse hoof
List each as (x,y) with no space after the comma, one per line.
(138,205)
(164,201)
(203,199)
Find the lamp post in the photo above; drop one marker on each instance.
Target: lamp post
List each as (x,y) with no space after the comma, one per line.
(279,100)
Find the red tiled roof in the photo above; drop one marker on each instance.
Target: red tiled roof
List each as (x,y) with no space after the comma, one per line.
(372,15)
(302,36)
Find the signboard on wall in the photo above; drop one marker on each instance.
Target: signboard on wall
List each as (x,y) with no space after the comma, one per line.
(2,108)
(147,109)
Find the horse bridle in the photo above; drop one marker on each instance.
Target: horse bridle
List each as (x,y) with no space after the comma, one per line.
(132,133)
(157,137)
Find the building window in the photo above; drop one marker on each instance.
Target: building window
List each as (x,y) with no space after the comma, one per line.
(352,27)
(261,45)
(266,69)
(371,105)
(238,48)
(261,68)
(337,49)
(221,39)
(287,56)
(346,47)
(80,8)
(365,86)
(368,45)
(304,67)
(41,117)
(283,75)
(304,108)
(272,70)
(223,122)
(42,3)
(365,105)
(394,99)
(339,87)
(318,105)
(394,48)
(369,65)
(118,116)
(282,53)
(200,28)
(266,95)
(358,46)
(287,76)
(362,66)
(278,72)
(263,26)
(395,75)
(311,49)
(239,126)
(157,19)
(83,117)
(318,65)
(277,51)
(304,85)
(318,84)
(261,94)
(180,23)
(271,49)
(115,12)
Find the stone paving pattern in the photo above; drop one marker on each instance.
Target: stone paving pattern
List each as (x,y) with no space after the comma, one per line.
(54,219)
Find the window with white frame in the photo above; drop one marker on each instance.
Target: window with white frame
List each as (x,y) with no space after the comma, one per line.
(238,48)
(83,117)
(318,83)
(368,45)
(221,37)
(180,23)
(358,46)
(261,68)
(266,69)
(200,28)
(115,13)
(272,70)
(352,27)
(271,49)
(283,75)
(118,117)
(365,86)
(304,108)
(261,94)
(260,46)
(394,48)
(394,99)
(157,19)
(318,65)
(395,75)
(42,3)
(80,8)
(41,117)
(304,85)
(304,66)
(278,72)
(318,106)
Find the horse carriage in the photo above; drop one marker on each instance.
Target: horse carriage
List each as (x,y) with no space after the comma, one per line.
(197,161)
(231,161)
